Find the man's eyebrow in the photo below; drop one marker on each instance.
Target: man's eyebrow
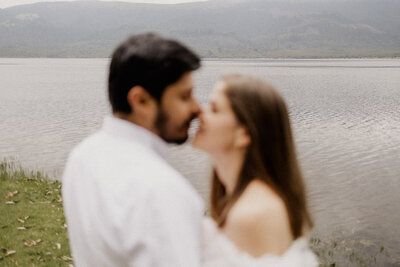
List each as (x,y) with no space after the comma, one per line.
(188,90)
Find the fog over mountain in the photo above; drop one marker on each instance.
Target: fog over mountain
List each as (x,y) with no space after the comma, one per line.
(217,28)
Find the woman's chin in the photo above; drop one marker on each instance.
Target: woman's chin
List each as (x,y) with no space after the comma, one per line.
(197,142)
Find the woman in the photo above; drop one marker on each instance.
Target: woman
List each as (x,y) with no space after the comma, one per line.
(258,202)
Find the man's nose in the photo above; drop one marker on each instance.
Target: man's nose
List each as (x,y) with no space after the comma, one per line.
(196,109)
(201,111)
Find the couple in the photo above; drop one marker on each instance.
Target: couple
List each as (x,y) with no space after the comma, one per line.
(126,206)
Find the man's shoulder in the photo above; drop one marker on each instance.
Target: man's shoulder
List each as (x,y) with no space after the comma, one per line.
(125,166)
(100,145)
(161,175)
(86,144)
(164,180)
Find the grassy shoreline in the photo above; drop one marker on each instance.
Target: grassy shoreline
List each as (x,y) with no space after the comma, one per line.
(33,231)
(32,224)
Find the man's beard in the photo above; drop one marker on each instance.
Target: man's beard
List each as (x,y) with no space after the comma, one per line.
(161,124)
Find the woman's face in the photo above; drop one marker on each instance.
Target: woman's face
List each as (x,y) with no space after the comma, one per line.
(219,129)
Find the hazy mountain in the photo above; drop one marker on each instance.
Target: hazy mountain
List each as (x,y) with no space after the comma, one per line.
(218,28)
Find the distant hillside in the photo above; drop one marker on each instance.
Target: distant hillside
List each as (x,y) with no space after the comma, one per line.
(218,28)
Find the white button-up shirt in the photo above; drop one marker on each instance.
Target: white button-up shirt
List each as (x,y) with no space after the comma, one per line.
(125,205)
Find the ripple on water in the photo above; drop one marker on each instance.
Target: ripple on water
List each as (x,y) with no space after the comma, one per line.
(344,113)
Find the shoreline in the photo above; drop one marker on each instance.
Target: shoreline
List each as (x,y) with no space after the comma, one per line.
(34,229)
(235,58)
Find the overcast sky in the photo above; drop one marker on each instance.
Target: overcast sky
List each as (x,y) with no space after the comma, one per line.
(8,3)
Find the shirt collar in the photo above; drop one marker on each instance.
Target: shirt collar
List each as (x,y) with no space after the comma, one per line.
(128,130)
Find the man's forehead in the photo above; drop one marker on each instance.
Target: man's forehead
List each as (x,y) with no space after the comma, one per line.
(184,84)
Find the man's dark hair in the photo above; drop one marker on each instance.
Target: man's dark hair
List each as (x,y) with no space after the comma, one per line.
(150,61)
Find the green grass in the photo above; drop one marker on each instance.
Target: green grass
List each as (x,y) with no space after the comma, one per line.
(32,224)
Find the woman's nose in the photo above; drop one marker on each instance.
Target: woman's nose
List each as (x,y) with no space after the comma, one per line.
(204,108)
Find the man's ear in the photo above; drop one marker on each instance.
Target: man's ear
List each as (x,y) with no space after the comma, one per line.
(138,99)
(243,138)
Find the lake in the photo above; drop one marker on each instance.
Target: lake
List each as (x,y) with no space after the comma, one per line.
(345,115)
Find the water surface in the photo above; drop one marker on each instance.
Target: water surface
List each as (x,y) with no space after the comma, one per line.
(345,115)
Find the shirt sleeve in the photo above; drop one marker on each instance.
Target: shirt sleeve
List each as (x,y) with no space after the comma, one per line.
(167,229)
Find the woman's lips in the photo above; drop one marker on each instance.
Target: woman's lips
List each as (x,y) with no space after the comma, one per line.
(201,129)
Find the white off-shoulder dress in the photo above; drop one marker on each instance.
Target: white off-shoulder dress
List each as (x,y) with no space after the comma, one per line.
(219,251)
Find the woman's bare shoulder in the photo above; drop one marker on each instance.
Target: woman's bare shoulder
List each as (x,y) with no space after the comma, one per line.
(258,222)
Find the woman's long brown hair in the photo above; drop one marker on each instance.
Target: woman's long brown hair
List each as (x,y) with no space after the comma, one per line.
(271,156)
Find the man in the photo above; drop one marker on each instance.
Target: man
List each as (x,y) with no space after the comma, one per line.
(124,204)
